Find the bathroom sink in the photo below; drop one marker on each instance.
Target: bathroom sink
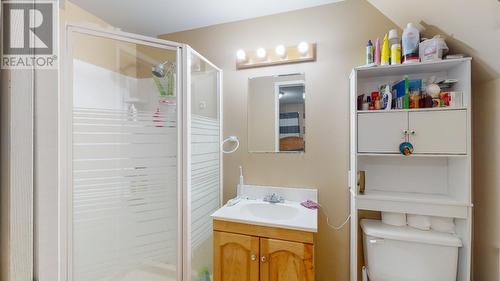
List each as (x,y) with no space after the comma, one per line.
(290,214)
(264,210)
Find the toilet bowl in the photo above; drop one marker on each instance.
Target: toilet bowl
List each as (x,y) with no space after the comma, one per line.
(402,253)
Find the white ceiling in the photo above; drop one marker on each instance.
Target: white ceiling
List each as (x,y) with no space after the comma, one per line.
(155,17)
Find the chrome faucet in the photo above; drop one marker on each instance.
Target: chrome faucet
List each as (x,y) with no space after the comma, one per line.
(274,198)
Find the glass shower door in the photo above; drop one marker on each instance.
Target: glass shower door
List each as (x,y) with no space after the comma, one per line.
(124,190)
(205,189)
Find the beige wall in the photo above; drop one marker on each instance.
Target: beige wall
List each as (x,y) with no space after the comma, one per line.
(341,31)
(487,180)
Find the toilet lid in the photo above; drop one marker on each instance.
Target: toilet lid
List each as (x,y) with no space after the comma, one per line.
(377,229)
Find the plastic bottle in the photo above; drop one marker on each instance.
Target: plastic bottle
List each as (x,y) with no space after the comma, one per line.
(411,38)
(406,98)
(393,37)
(369,52)
(395,46)
(385,51)
(396,54)
(387,98)
(377,52)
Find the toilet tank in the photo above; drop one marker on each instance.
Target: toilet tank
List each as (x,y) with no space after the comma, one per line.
(402,253)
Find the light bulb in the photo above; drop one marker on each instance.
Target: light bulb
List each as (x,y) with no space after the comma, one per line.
(303,48)
(241,55)
(280,51)
(280,95)
(303,96)
(261,53)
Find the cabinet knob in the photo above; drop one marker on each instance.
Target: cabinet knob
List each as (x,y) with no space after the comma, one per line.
(263,259)
(405,132)
(253,257)
(413,133)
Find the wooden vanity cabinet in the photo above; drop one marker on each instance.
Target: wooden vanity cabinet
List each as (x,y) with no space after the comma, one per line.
(244,252)
(236,257)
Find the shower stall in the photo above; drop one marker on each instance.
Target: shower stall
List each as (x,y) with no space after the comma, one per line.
(141,163)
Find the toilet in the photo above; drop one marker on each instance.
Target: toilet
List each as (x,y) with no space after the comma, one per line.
(402,253)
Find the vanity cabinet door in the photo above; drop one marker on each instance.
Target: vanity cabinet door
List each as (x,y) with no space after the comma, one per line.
(285,261)
(381,132)
(236,257)
(439,131)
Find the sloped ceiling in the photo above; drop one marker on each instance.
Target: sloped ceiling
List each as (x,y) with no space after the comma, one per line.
(471,27)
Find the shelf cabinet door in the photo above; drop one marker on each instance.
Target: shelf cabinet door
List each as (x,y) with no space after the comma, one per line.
(285,261)
(236,257)
(440,132)
(381,132)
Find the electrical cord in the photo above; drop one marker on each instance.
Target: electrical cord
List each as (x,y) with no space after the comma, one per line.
(328,220)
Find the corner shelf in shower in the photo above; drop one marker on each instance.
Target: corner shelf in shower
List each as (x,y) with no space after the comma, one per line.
(134,100)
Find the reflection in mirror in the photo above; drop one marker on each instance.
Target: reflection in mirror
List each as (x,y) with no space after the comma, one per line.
(276,113)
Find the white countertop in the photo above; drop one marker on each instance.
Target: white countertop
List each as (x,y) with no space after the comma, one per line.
(289,215)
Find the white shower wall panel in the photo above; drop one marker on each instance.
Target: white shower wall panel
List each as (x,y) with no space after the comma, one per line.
(205,185)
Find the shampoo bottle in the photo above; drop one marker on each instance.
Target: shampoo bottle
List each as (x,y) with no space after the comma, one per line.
(377,52)
(385,51)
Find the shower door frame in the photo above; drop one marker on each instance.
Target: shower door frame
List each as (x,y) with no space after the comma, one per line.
(65,185)
(186,52)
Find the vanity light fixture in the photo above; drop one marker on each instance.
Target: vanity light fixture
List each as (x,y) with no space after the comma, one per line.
(280,51)
(241,56)
(303,48)
(280,54)
(261,53)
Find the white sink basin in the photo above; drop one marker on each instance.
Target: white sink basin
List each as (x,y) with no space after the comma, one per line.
(289,214)
(270,211)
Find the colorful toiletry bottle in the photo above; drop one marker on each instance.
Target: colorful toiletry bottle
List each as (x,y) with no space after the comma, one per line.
(387,98)
(377,52)
(369,53)
(395,47)
(396,54)
(385,51)
(406,98)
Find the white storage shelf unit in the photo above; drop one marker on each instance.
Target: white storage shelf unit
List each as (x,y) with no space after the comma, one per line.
(436,179)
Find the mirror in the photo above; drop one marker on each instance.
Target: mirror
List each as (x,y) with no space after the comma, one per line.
(276,113)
